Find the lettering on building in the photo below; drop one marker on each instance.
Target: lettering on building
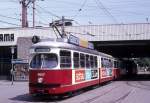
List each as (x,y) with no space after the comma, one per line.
(6,37)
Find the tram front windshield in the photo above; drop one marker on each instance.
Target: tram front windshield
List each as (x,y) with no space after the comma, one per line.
(45,61)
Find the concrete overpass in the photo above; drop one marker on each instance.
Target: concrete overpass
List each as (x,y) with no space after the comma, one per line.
(119,40)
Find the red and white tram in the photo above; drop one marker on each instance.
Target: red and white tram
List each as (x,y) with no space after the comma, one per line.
(58,67)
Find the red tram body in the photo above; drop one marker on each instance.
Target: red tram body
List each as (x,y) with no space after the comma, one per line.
(58,67)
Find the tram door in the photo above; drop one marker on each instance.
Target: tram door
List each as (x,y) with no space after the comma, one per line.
(5,62)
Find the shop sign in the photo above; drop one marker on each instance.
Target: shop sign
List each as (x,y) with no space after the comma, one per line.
(6,37)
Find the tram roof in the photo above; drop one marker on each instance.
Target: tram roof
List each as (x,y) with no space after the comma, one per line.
(66,45)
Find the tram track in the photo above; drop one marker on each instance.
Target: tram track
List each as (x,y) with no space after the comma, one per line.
(120,99)
(138,84)
(148,85)
(98,96)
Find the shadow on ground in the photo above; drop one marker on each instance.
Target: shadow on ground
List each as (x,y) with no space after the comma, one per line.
(46,98)
(29,98)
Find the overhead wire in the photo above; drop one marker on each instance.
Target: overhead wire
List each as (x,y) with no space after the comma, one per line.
(102,7)
(39,22)
(10,1)
(10,17)
(39,12)
(48,12)
(80,9)
(5,22)
(17,20)
(99,4)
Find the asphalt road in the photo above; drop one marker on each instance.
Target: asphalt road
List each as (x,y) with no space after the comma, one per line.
(126,91)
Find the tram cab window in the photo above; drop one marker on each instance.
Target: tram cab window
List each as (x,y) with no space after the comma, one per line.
(46,61)
(65,59)
(76,59)
(82,60)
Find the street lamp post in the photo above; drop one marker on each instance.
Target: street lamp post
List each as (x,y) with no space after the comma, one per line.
(12,68)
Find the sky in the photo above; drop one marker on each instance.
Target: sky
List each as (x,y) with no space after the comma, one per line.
(83,12)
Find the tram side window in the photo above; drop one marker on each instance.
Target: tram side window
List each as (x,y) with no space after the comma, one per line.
(92,61)
(76,59)
(65,59)
(102,62)
(95,61)
(87,61)
(116,64)
(106,63)
(82,60)
(110,63)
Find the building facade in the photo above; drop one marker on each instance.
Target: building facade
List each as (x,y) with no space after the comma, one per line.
(20,40)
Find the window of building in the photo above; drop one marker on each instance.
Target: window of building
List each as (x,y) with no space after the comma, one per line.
(65,59)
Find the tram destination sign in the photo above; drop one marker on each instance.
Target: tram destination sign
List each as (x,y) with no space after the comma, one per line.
(42,49)
(73,40)
(6,37)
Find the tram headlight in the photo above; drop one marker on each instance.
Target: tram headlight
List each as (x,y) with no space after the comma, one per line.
(35,39)
(40,80)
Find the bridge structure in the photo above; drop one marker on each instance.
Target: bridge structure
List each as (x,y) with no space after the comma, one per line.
(119,40)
